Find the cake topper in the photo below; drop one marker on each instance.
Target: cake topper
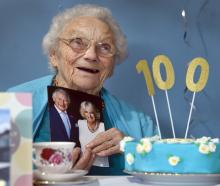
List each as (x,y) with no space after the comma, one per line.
(168,83)
(142,66)
(199,85)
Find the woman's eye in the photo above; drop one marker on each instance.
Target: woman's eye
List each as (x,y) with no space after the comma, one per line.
(78,41)
(105,47)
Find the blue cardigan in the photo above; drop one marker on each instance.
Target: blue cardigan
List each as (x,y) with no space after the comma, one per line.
(117,114)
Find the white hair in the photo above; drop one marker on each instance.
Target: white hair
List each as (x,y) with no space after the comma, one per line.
(88,104)
(50,41)
(61,91)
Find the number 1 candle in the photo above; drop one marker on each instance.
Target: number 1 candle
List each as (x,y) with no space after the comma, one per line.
(143,66)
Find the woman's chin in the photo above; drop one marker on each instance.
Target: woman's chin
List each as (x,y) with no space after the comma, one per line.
(88,88)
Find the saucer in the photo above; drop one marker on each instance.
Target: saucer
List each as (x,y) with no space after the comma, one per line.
(91,181)
(59,177)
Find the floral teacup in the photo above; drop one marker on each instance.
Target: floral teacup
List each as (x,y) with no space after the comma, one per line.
(53,157)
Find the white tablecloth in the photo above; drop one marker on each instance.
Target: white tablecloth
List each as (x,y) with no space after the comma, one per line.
(133,181)
(119,181)
(129,181)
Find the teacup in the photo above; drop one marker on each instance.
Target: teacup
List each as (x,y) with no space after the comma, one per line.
(53,157)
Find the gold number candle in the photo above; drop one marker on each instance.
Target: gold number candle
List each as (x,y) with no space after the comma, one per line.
(168,83)
(143,66)
(196,87)
(170,75)
(201,83)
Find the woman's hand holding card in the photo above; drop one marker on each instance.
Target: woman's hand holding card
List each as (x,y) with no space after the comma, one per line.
(106,143)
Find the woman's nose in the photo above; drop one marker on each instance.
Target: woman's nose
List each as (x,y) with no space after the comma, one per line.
(91,54)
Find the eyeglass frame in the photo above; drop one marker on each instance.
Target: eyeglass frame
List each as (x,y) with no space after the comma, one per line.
(68,42)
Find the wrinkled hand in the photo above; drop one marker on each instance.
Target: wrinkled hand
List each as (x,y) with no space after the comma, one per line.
(85,162)
(106,143)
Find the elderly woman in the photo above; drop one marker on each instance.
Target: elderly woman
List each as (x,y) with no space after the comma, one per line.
(84,44)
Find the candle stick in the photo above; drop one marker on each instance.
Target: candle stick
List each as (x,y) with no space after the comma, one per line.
(190,114)
(143,66)
(196,87)
(155,113)
(170,114)
(164,85)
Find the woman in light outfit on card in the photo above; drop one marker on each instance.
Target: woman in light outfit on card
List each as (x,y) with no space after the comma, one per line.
(83,45)
(89,128)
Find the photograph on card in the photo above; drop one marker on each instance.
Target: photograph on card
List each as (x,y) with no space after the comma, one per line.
(71,109)
(75,116)
(5,127)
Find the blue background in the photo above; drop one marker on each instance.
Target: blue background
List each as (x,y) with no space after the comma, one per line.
(152,27)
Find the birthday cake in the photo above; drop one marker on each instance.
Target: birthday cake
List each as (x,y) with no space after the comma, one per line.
(182,156)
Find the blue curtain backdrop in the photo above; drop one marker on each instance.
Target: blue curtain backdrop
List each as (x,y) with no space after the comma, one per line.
(152,27)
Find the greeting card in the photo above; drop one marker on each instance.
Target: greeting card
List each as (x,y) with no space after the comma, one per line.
(76,116)
(5,146)
(19,105)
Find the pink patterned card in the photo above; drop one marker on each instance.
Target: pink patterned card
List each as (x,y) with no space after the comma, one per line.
(20,107)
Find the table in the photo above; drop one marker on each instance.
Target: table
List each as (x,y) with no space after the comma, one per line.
(99,181)
(125,181)
(118,181)
(134,181)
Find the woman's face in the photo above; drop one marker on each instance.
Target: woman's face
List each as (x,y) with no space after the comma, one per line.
(89,115)
(84,71)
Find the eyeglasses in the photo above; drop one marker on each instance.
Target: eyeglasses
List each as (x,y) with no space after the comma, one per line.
(81,45)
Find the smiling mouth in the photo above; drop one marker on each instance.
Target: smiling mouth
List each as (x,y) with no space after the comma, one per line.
(93,71)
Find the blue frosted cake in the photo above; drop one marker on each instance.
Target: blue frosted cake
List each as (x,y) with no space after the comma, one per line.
(172,155)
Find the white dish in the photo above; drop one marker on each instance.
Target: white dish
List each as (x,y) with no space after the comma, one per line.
(165,179)
(4,165)
(91,181)
(62,177)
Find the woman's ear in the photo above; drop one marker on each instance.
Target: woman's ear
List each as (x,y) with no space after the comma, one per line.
(53,59)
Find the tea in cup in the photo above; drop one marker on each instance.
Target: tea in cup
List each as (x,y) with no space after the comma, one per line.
(53,157)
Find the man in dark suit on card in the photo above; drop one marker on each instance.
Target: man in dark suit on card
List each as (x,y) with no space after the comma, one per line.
(62,125)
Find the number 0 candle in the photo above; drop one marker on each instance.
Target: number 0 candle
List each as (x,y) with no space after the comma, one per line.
(168,83)
(199,85)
